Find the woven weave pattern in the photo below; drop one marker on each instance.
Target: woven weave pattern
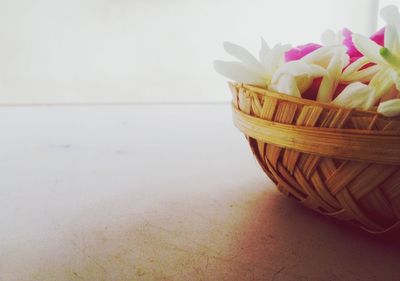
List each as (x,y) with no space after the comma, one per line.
(362,192)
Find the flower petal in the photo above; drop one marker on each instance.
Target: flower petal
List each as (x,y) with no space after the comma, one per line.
(395,75)
(304,83)
(244,56)
(382,82)
(348,42)
(393,93)
(238,72)
(379,37)
(298,52)
(275,58)
(389,108)
(323,55)
(331,80)
(363,75)
(390,14)
(355,66)
(286,85)
(368,48)
(318,55)
(391,38)
(355,95)
(298,68)
(264,51)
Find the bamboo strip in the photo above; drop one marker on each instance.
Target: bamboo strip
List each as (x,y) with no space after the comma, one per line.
(345,144)
(341,162)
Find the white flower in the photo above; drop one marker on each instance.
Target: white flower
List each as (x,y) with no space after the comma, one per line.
(389,108)
(357,72)
(270,71)
(295,77)
(387,59)
(356,95)
(249,69)
(333,59)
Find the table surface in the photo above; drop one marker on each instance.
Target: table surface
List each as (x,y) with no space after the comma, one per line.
(160,192)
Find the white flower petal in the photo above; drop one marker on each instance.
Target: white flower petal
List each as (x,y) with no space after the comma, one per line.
(320,56)
(264,51)
(355,66)
(389,108)
(286,85)
(393,93)
(391,38)
(355,95)
(298,68)
(395,78)
(244,56)
(390,14)
(326,89)
(304,83)
(382,82)
(368,48)
(238,72)
(323,55)
(363,75)
(315,71)
(331,79)
(275,58)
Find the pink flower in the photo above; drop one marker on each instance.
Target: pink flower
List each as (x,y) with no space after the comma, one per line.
(298,52)
(354,54)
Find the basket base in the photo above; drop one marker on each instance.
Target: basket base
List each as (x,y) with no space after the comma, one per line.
(312,184)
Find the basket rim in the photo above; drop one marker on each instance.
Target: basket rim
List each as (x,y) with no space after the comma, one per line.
(333,130)
(264,92)
(349,144)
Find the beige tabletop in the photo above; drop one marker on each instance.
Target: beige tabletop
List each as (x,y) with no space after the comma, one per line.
(162,192)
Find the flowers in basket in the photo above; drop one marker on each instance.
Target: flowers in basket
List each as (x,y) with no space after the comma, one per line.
(348,69)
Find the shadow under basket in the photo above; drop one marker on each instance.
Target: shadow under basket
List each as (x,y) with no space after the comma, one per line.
(343,163)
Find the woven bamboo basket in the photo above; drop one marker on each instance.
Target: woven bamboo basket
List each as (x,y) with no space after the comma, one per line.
(343,163)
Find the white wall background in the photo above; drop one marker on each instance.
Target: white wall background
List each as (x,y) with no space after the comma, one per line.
(74,51)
